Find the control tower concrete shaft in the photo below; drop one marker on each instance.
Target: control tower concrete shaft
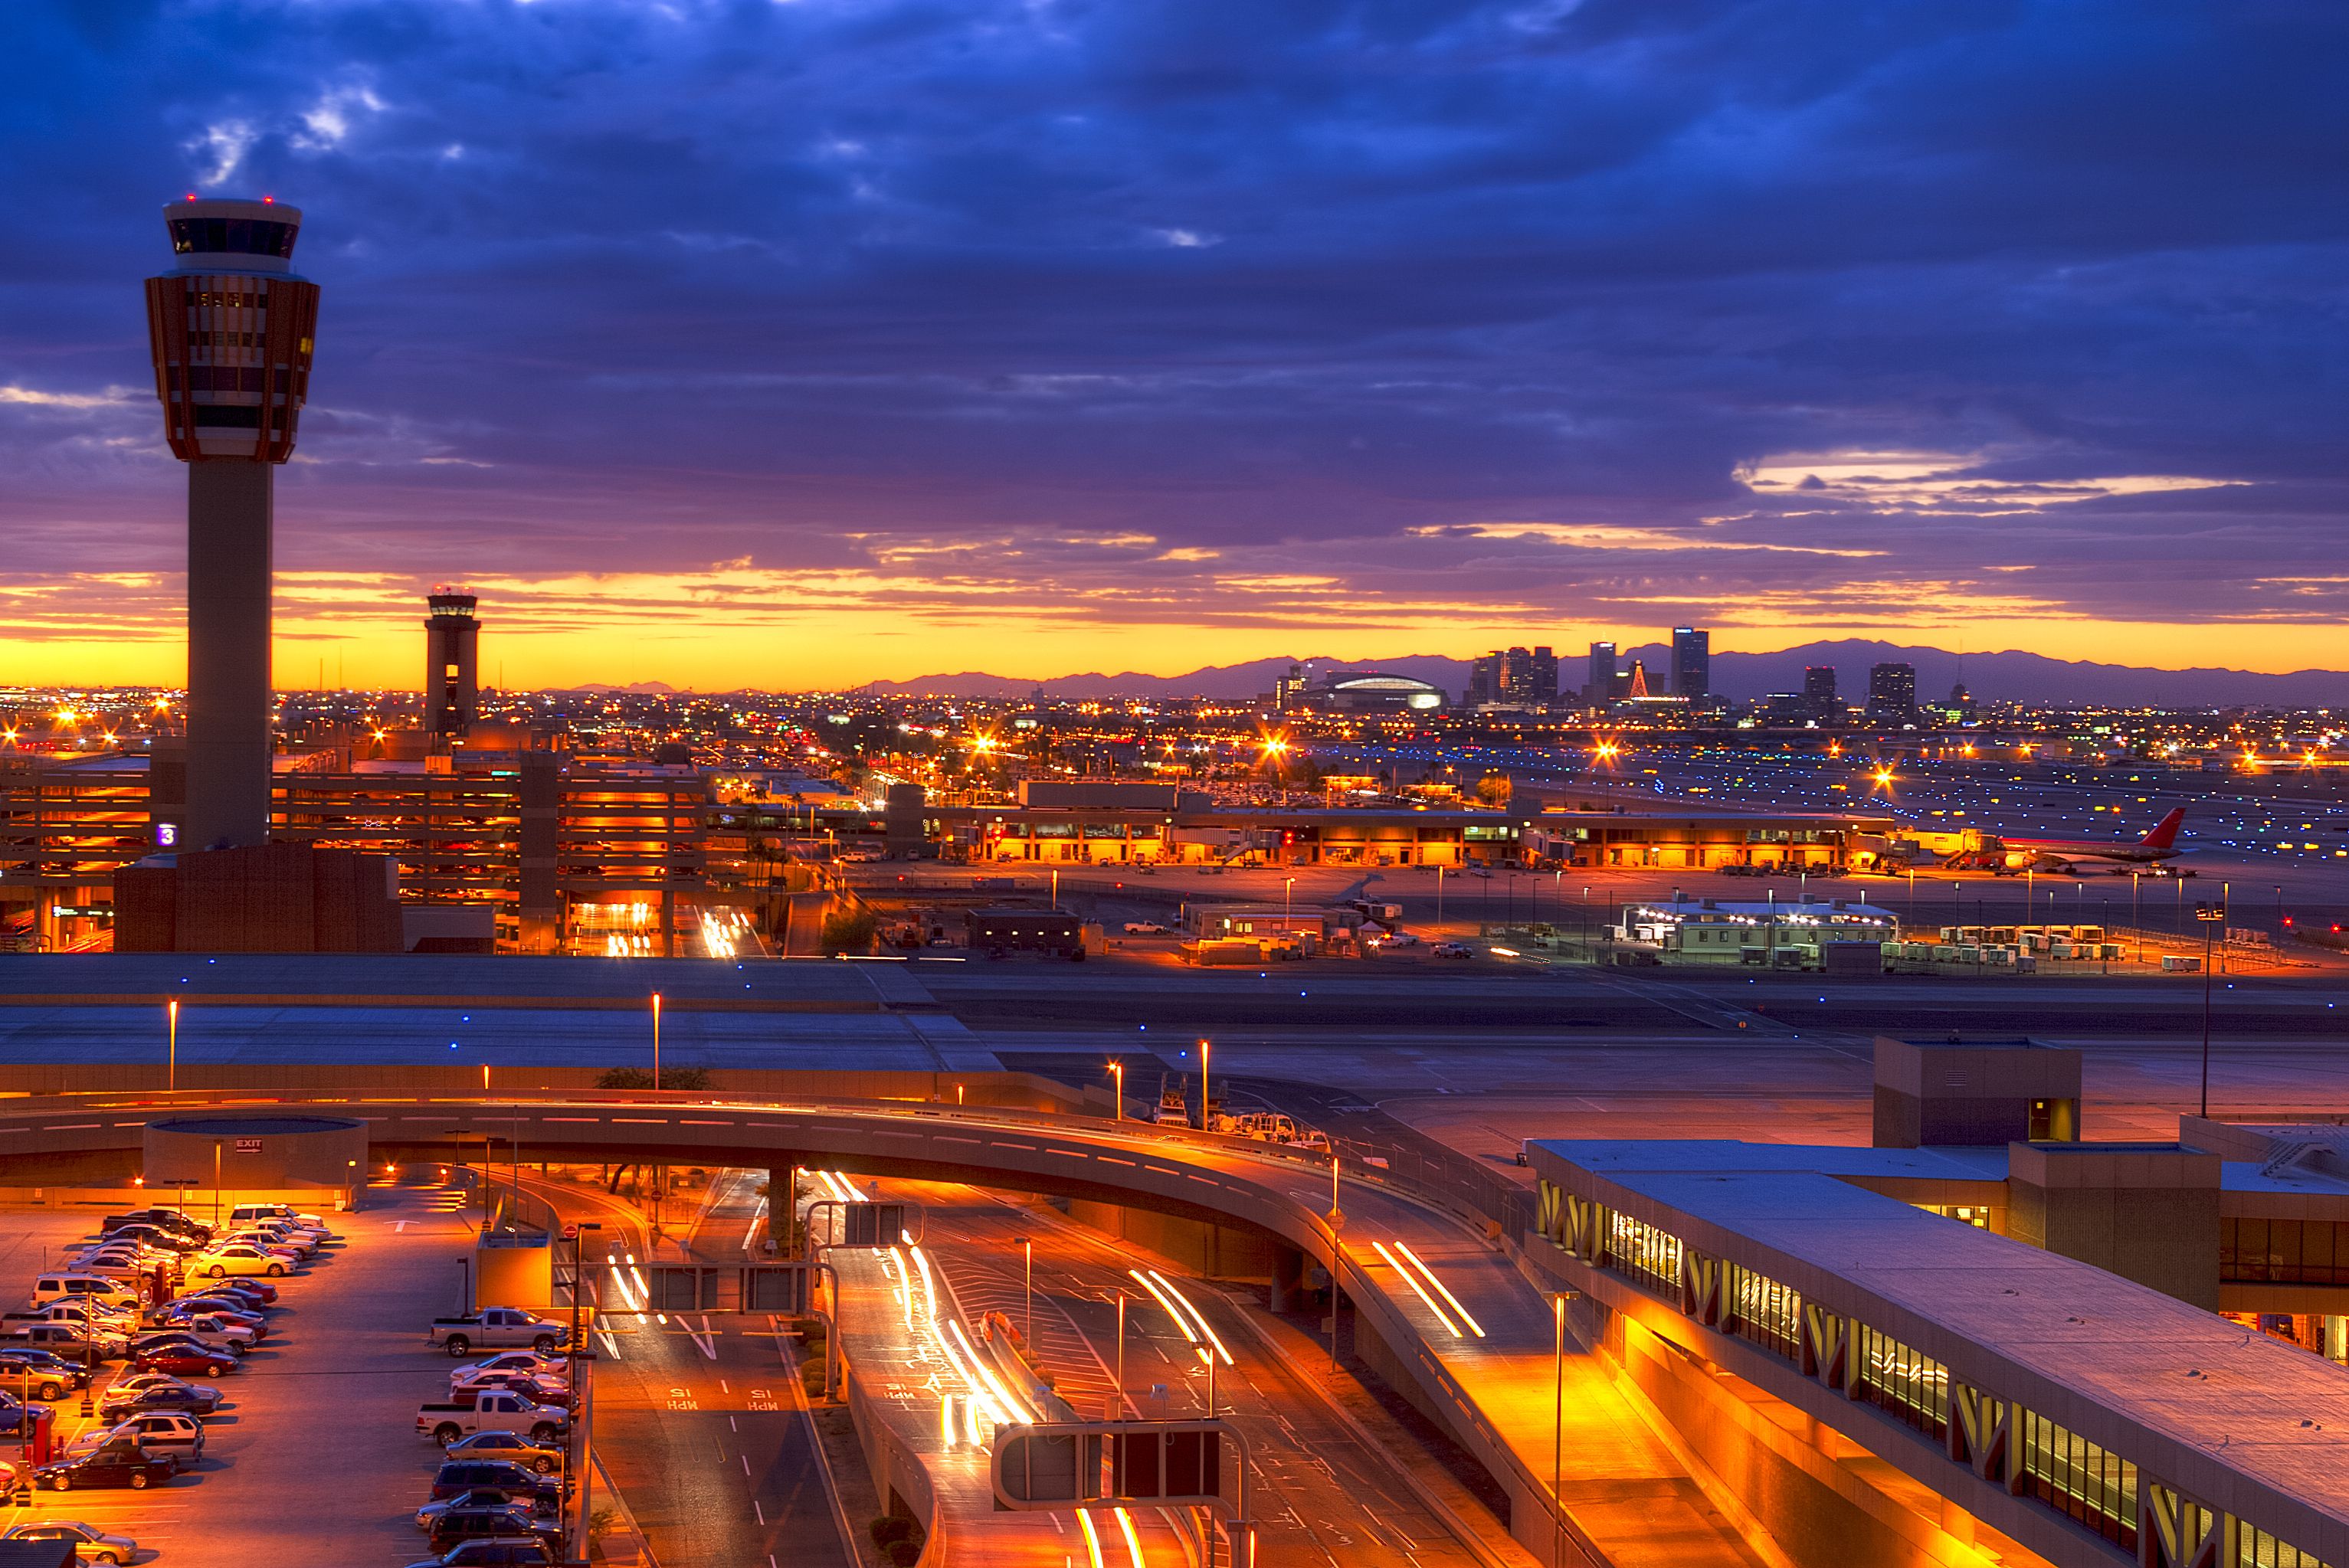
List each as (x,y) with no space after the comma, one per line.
(232,328)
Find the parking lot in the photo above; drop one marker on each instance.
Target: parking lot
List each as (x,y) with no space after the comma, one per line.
(312,1457)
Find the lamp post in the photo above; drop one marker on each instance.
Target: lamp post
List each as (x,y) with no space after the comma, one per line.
(1336,1253)
(1289,891)
(573,1464)
(2209,916)
(1117,1106)
(172,1012)
(2136,885)
(1117,1408)
(1557,1439)
(1206,1117)
(216,1182)
(1439,897)
(656,1012)
(1027,1257)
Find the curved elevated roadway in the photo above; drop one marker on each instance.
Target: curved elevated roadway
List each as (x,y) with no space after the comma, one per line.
(1460,1320)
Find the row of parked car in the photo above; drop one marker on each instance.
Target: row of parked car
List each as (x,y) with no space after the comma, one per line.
(496,1498)
(120,1298)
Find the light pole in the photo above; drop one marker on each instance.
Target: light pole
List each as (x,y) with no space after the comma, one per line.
(1206,1117)
(1117,1409)
(172,1011)
(2209,916)
(1028,1254)
(1439,897)
(656,1012)
(216,1175)
(1289,891)
(2136,886)
(1117,1106)
(571,1463)
(1056,887)
(1558,1440)
(1336,1253)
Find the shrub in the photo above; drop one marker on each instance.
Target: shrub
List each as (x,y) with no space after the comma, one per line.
(890,1529)
(850,930)
(905,1553)
(642,1078)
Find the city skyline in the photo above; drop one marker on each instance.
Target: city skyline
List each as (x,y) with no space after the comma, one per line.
(1128,333)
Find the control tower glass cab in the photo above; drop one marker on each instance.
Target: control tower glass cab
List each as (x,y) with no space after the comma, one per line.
(451,643)
(232,329)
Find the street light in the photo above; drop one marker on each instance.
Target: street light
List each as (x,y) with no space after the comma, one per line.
(1028,1254)
(1117,1106)
(172,1011)
(2210,914)
(1206,1118)
(657,1011)
(1287,892)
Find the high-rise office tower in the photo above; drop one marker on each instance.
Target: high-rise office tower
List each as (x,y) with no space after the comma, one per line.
(1892,691)
(1691,663)
(1598,682)
(1819,691)
(1485,680)
(232,329)
(451,643)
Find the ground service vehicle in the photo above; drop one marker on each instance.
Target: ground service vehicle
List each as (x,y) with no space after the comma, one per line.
(998,932)
(497,1329)
(491,1410)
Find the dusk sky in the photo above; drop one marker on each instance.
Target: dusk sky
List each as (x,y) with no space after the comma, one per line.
(742,343)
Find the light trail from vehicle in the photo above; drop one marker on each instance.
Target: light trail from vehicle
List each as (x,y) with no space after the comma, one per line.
(1417,1289)
(1474,1327)
(1177,1291)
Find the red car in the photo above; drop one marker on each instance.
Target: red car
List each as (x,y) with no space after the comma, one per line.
(185,1361)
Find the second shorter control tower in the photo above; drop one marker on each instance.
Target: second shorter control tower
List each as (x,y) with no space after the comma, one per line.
(452,640)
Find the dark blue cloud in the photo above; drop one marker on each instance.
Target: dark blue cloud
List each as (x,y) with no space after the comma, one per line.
(652,285)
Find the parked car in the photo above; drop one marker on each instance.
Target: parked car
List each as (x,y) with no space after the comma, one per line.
(170,1219)
(503,1521)
(489,1410)
(456,1477)
(51,1287)
(184,1360)
(485,1497)
(90,1544)
(45,1373)
(1145,928)
(158,1391)
(152,1235)
(264,1213)
(164,1432)
(494,1552)
(183,1334)
(121,1463)
(232,1330)
(258,1294)
(228,1309)
(1451,950)
(517,1361)
(538,1457)
(239,1258)
(497,1329)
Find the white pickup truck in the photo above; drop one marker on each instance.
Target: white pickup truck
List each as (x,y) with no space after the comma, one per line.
(489,1410)
(498,1328)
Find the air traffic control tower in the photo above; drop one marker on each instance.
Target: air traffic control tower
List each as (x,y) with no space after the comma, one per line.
(232,328)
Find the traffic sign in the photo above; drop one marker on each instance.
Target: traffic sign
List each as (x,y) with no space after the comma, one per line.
(1108,1464)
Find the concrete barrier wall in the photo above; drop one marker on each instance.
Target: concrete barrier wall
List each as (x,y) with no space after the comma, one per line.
(1025,1090)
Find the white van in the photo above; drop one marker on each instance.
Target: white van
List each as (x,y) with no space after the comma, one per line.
(97,1287)
(274,1215)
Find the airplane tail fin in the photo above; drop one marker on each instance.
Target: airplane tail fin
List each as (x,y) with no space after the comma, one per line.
(2165,832)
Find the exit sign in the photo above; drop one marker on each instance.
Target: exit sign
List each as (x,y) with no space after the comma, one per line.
(248,1146)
